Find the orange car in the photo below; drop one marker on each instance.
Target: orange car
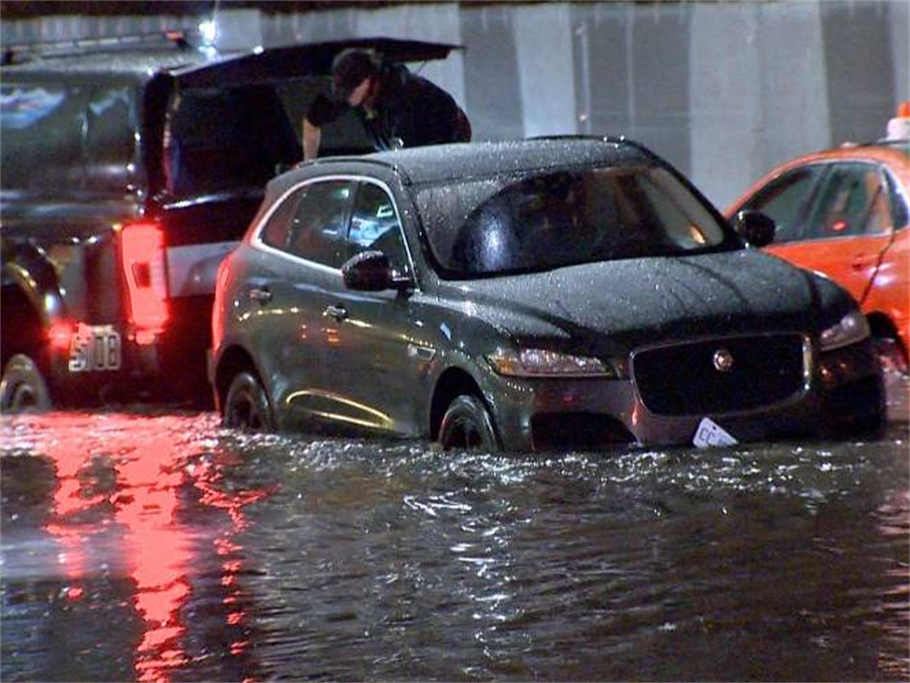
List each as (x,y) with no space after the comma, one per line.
(845,212)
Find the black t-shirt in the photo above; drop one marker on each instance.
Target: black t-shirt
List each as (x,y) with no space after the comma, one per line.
(409,107)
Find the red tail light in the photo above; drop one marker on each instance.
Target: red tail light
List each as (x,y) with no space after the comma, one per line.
(61,335)
(142,250)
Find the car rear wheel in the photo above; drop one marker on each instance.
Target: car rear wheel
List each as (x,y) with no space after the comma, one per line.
(22,387)
(246,405)
(467,425)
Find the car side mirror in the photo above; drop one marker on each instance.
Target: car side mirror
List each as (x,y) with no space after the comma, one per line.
(371,271)
(756,228)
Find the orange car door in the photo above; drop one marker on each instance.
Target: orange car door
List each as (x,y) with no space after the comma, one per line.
(847,228)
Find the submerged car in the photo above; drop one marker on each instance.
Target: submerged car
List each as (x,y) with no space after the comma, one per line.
(845,212)
(526,295)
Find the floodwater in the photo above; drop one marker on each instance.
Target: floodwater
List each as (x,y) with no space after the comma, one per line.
(156,546)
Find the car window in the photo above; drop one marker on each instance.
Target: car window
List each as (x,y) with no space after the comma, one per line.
(42,126)
(375,226)
(785,199)
(317,230)
(853,201)
(899,206)
(277,229)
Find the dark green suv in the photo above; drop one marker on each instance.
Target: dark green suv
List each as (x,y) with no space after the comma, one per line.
(527,295)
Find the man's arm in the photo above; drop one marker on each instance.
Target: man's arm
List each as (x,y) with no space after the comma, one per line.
(312,135)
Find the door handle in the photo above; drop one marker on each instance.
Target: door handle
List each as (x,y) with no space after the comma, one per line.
(261,294)
(339,313)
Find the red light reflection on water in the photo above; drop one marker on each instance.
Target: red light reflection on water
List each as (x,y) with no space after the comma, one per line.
(136,478)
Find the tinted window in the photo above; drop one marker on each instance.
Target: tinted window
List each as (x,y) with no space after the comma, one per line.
(898,204)
(853,201)
(277,229)
(785,200)
(547,220)
(317,230)
(42,136)
(375,226)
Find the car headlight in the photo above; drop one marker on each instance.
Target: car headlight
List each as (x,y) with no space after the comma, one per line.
(543,363)
(851,329)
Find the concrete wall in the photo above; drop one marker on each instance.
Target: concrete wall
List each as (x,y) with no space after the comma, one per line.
(724,90)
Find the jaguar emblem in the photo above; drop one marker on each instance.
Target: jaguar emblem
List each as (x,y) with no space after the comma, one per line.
(723,360)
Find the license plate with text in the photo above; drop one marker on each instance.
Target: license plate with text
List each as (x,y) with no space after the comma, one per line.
(95,348)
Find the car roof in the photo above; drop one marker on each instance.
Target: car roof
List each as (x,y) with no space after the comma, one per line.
(894,154)
(192,67)
(439,163)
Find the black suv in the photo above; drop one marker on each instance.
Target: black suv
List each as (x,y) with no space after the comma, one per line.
(129,170)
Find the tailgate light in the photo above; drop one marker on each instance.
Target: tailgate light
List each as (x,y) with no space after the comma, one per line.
(142,251)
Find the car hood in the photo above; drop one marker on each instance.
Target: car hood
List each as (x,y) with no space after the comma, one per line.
(629,303)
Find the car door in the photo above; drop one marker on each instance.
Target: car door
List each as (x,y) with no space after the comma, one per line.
(846,227)
(379,366)
(296,335)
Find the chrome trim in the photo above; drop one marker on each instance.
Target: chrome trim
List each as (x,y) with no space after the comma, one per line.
(795,397)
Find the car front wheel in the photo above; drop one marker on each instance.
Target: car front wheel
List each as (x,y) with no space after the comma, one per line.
(246,405)
(467,425)
(22,386)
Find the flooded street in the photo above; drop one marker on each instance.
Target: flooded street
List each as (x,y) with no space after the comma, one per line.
(160,547)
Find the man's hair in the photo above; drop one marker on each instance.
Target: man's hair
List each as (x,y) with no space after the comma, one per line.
(350,68)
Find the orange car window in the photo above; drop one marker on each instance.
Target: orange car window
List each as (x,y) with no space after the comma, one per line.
(852,202)
(786,199)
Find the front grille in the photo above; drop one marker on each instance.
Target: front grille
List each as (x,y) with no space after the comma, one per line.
(684,379)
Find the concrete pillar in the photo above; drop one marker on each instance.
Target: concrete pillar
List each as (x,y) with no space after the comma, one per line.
(899,21)
(492,85)
(795,114)
(725,97)
(543,40)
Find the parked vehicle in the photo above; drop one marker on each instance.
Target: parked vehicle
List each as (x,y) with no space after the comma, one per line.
(526,295)
(129,169)
(845,212)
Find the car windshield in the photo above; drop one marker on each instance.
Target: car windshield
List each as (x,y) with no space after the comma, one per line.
(545,220)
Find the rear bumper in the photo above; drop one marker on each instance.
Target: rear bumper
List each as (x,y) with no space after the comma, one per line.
(170,368)
(844,393)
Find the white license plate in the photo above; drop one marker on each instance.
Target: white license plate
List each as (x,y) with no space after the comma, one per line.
(709,434)
(95,348)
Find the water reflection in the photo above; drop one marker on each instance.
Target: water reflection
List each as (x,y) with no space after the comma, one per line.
(130,495)
(160,547)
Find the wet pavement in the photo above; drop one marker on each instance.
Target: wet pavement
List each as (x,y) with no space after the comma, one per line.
(160,547)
